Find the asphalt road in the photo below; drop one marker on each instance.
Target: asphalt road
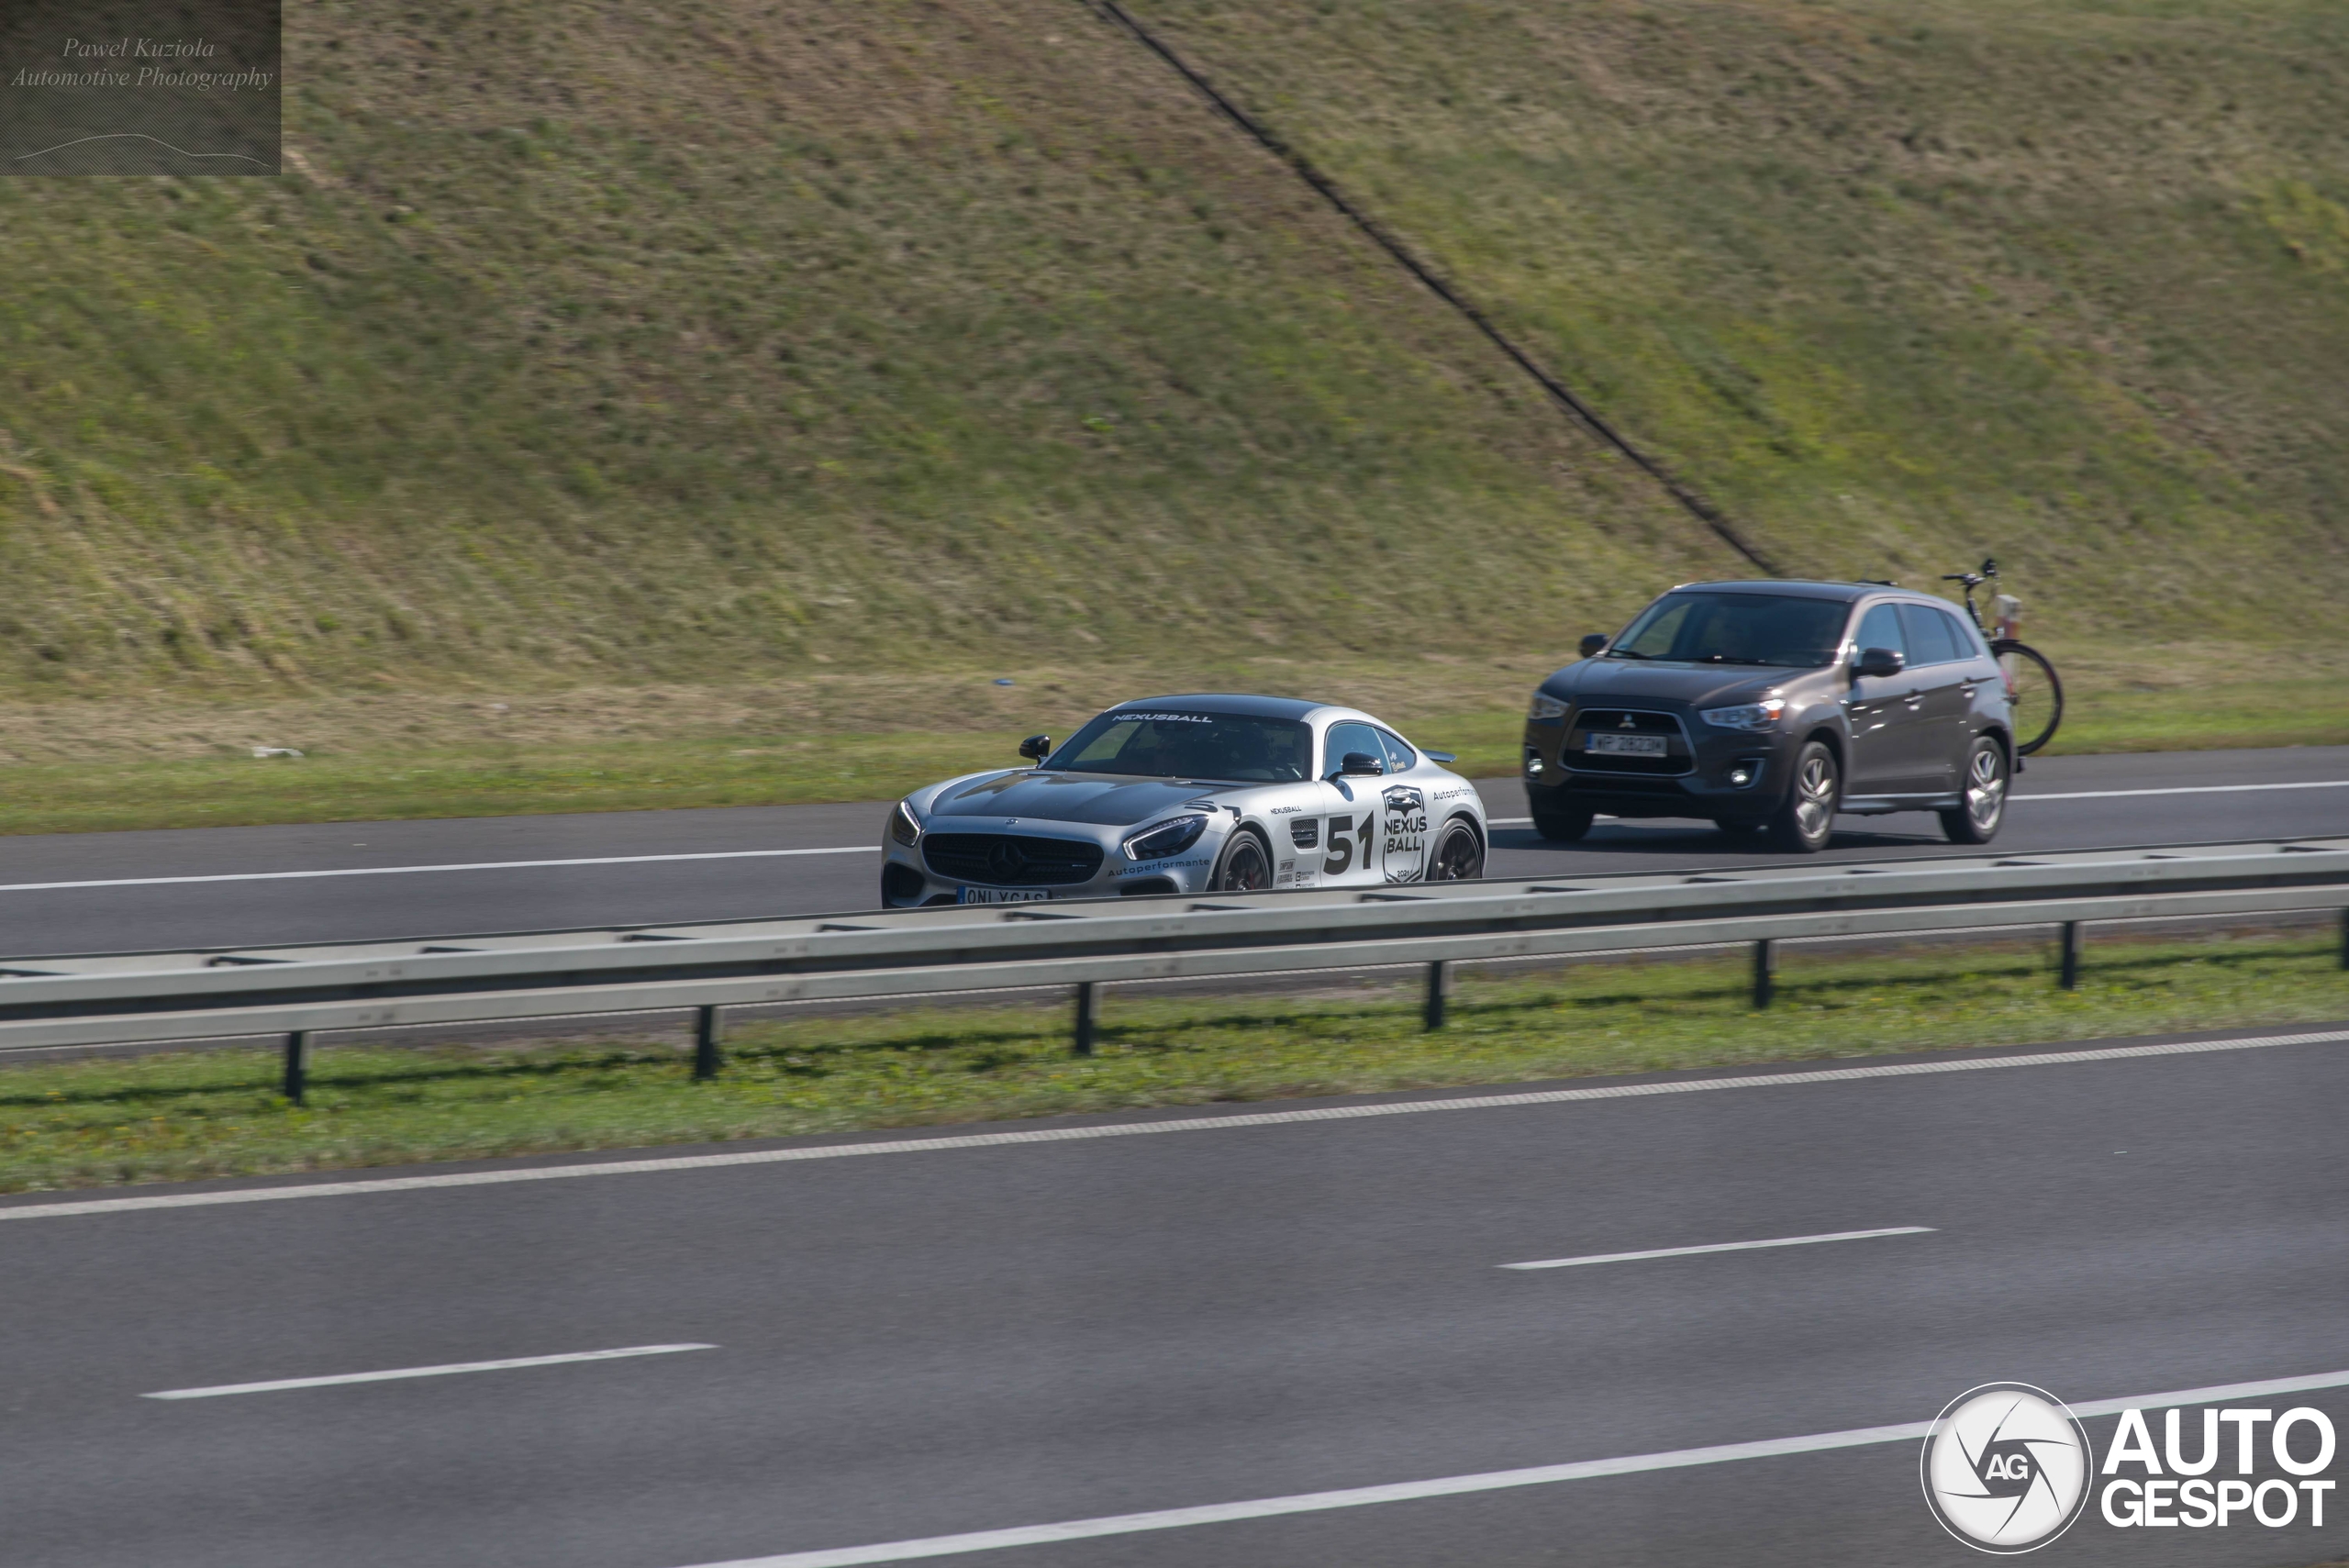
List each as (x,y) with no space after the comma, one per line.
(905,1345)
(117,892)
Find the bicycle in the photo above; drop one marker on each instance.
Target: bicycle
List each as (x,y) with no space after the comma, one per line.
(2033,689)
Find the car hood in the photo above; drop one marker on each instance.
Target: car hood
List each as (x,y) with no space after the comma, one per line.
(1099,800)
(1697,685)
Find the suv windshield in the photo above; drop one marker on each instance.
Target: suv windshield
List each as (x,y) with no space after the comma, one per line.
(1736,628)
(1178,744)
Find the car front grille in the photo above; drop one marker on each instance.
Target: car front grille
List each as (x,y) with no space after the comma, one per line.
(1678,757)
(1010,860)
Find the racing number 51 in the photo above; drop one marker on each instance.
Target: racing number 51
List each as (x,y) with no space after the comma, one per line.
(1344,833)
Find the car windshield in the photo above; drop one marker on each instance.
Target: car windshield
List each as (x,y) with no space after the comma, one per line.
(1182,743)
(1736,628)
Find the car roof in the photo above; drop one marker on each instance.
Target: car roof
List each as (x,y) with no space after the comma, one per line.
(1796,588)
(1228,701)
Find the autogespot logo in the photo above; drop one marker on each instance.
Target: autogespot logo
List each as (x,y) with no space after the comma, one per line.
(2007,1467)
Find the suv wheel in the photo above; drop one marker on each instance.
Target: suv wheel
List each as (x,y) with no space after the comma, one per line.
(1565,827)
(1984,791)
(1805,820)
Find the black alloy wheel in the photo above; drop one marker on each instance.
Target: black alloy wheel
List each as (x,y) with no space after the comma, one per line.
(1459,854)
(1984,788)
(1566,827)
(1247,867)
(1806,820)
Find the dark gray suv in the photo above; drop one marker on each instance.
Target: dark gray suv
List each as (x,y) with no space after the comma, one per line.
(1770,707)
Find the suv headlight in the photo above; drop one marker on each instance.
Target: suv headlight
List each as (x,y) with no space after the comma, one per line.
(1547,707)
(904,826)
(1749,716)
(1164,839)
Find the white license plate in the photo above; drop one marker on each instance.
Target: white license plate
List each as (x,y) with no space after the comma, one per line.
(1000,896)
(1629,745)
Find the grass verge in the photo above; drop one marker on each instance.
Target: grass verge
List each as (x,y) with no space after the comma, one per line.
(187,1116)
(101,766)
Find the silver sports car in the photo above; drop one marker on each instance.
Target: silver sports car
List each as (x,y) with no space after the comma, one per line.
(1189,794)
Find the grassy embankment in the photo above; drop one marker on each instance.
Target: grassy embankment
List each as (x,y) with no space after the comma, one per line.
(185,1115)
(641,748)
(777,359)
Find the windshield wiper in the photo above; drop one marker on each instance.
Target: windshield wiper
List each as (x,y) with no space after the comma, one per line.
(1726,658)
(1623,653)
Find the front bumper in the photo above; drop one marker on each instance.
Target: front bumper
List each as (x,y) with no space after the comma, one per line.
(913,876)
(1710,772)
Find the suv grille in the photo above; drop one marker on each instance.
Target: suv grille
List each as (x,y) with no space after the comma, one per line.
(1010,860)
(1578,755)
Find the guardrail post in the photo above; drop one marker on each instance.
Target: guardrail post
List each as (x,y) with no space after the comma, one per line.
(297,1065)
(1765,972)
(706,1052)
(1085,1005)
(1439,992)
(2070,978)
(2344,939)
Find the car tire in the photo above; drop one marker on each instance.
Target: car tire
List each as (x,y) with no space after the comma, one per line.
(1983,786)
(1566,827)
(1805,820)
(1458,855)
(1247,865)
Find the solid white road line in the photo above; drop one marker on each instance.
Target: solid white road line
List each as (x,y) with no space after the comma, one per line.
(2183,789)
(393,1377)
(2020,798)
(864,849)
(1720,1247)
(1456,1485)
(418,871)
(1148,1128)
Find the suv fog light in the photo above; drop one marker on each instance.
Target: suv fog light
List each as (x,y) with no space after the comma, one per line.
(1742,773)
(1741,777)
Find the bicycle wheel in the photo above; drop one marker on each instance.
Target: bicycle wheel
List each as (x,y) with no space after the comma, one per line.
(2032,688)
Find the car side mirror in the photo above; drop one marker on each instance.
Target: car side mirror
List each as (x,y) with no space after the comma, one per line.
(1360,765)
(1593,644)
(1879,662)
(1036,747)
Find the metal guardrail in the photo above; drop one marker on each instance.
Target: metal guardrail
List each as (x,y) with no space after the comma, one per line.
(305,990)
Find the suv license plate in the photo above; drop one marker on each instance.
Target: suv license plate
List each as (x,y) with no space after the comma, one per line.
(1000,896)
(1627,745)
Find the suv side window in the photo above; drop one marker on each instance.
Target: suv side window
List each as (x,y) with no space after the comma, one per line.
(1345,737)
(1400,757)
(1880,627)
(1969,638)
(1928,630)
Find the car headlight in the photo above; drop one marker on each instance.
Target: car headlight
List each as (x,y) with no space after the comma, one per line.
(1547,707)
(904,826)
(1164,839)
(1749,716)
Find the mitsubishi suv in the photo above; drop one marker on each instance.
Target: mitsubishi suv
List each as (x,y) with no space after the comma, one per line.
(1770,707)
